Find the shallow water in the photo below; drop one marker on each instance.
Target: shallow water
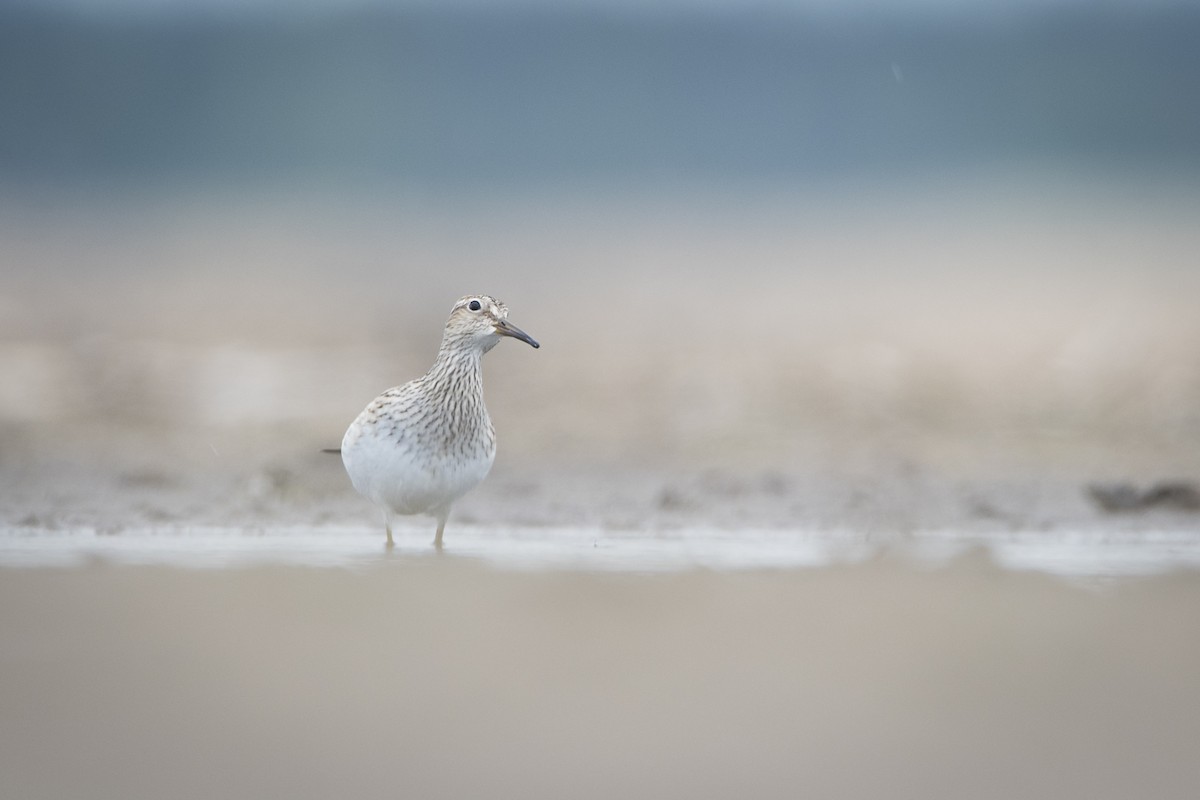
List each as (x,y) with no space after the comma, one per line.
(445,679)
(1074,554)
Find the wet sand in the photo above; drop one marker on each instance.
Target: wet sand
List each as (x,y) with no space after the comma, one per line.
(444,679)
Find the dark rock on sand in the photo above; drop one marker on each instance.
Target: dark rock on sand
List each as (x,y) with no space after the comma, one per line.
(1125,497)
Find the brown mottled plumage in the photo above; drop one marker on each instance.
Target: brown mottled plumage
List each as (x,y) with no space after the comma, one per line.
(419,447)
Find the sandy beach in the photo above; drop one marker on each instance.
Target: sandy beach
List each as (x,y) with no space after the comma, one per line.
(958,354)
(790,503)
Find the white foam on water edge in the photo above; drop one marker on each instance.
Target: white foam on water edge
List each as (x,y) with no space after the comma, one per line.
(1077,554)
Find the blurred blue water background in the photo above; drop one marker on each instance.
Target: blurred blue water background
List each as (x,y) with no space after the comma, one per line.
(459,96)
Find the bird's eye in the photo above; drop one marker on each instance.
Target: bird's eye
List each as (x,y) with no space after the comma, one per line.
(474,305)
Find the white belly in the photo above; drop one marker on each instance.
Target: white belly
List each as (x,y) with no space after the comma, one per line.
(407,478)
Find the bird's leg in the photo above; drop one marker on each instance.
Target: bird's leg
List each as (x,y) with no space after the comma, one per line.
(441,520)
(387,526)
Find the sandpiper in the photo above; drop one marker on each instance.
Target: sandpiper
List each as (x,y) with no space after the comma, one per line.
(419,447)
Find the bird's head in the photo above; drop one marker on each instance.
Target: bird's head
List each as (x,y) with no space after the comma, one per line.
(483,320)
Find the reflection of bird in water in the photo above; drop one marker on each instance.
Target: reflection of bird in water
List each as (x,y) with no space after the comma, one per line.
(419,447)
